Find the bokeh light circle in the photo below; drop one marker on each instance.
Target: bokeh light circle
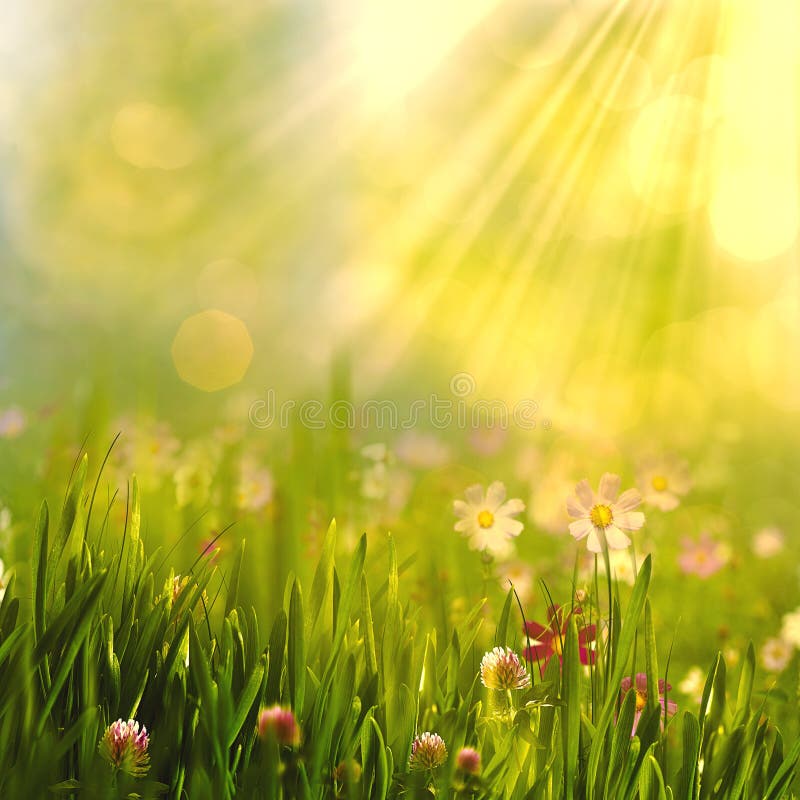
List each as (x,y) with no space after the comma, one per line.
(212,350)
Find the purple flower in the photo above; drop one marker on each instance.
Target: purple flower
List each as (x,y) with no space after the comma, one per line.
(124,746)
(279,723)
(640,687)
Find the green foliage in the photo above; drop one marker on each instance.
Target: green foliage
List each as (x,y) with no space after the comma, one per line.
(107,634)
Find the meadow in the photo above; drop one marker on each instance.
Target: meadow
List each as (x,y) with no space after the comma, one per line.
(399,399)
(369,665)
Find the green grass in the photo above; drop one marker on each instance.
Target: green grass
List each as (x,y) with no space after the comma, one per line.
(102,635)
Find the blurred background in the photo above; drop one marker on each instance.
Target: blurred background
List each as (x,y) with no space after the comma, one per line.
(587,205)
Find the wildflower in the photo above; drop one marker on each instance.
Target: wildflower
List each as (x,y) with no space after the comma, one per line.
(428,751)
(148,447)
(210,549)
(374,481)
(703,557)
(640,687)
(468,760)
(192,483)
(663,482)
(347,772)
(279,723)
(790,629)
(548,640)
(124,746)
(519,575)
(501,669)
(178,585)
(421,450)
(622,567)
(2,580)
(376,451)
(768,542)
(604,515)
(693,684)
(488,440)
(776,653)
(487,520)
(255,488)
(12,422)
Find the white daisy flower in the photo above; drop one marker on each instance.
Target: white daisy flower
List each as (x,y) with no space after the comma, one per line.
(622,568)
(663,482)
(776,654)
(790,629)
(487,519)
(768,542)
(606,514)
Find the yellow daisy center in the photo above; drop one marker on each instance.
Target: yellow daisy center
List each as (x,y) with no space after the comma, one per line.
(641,700)
(601,516)
(659,483)
(485,519)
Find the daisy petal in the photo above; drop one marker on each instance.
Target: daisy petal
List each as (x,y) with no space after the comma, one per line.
(630,521)
(628,500)
(585,494)
(461,509)
(581,528)
(575,508)
(495,495)
(510,527)
(510,507)
(616,539)
(609,486)
(593,544)
(474,495)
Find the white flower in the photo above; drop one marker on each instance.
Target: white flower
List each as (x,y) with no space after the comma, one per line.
(421,450)
(488,521)
(663,482)
(520,575)
(693,684)
(790,629)
(776,654)
(375,452)
(374,481)
(621,563)
(768,542)
(255,488)
(2,580)
(605,514)
(12,422)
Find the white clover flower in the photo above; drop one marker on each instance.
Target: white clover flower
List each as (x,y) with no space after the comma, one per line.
(487,521)
(606,514)
(501,669)
(428,751)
